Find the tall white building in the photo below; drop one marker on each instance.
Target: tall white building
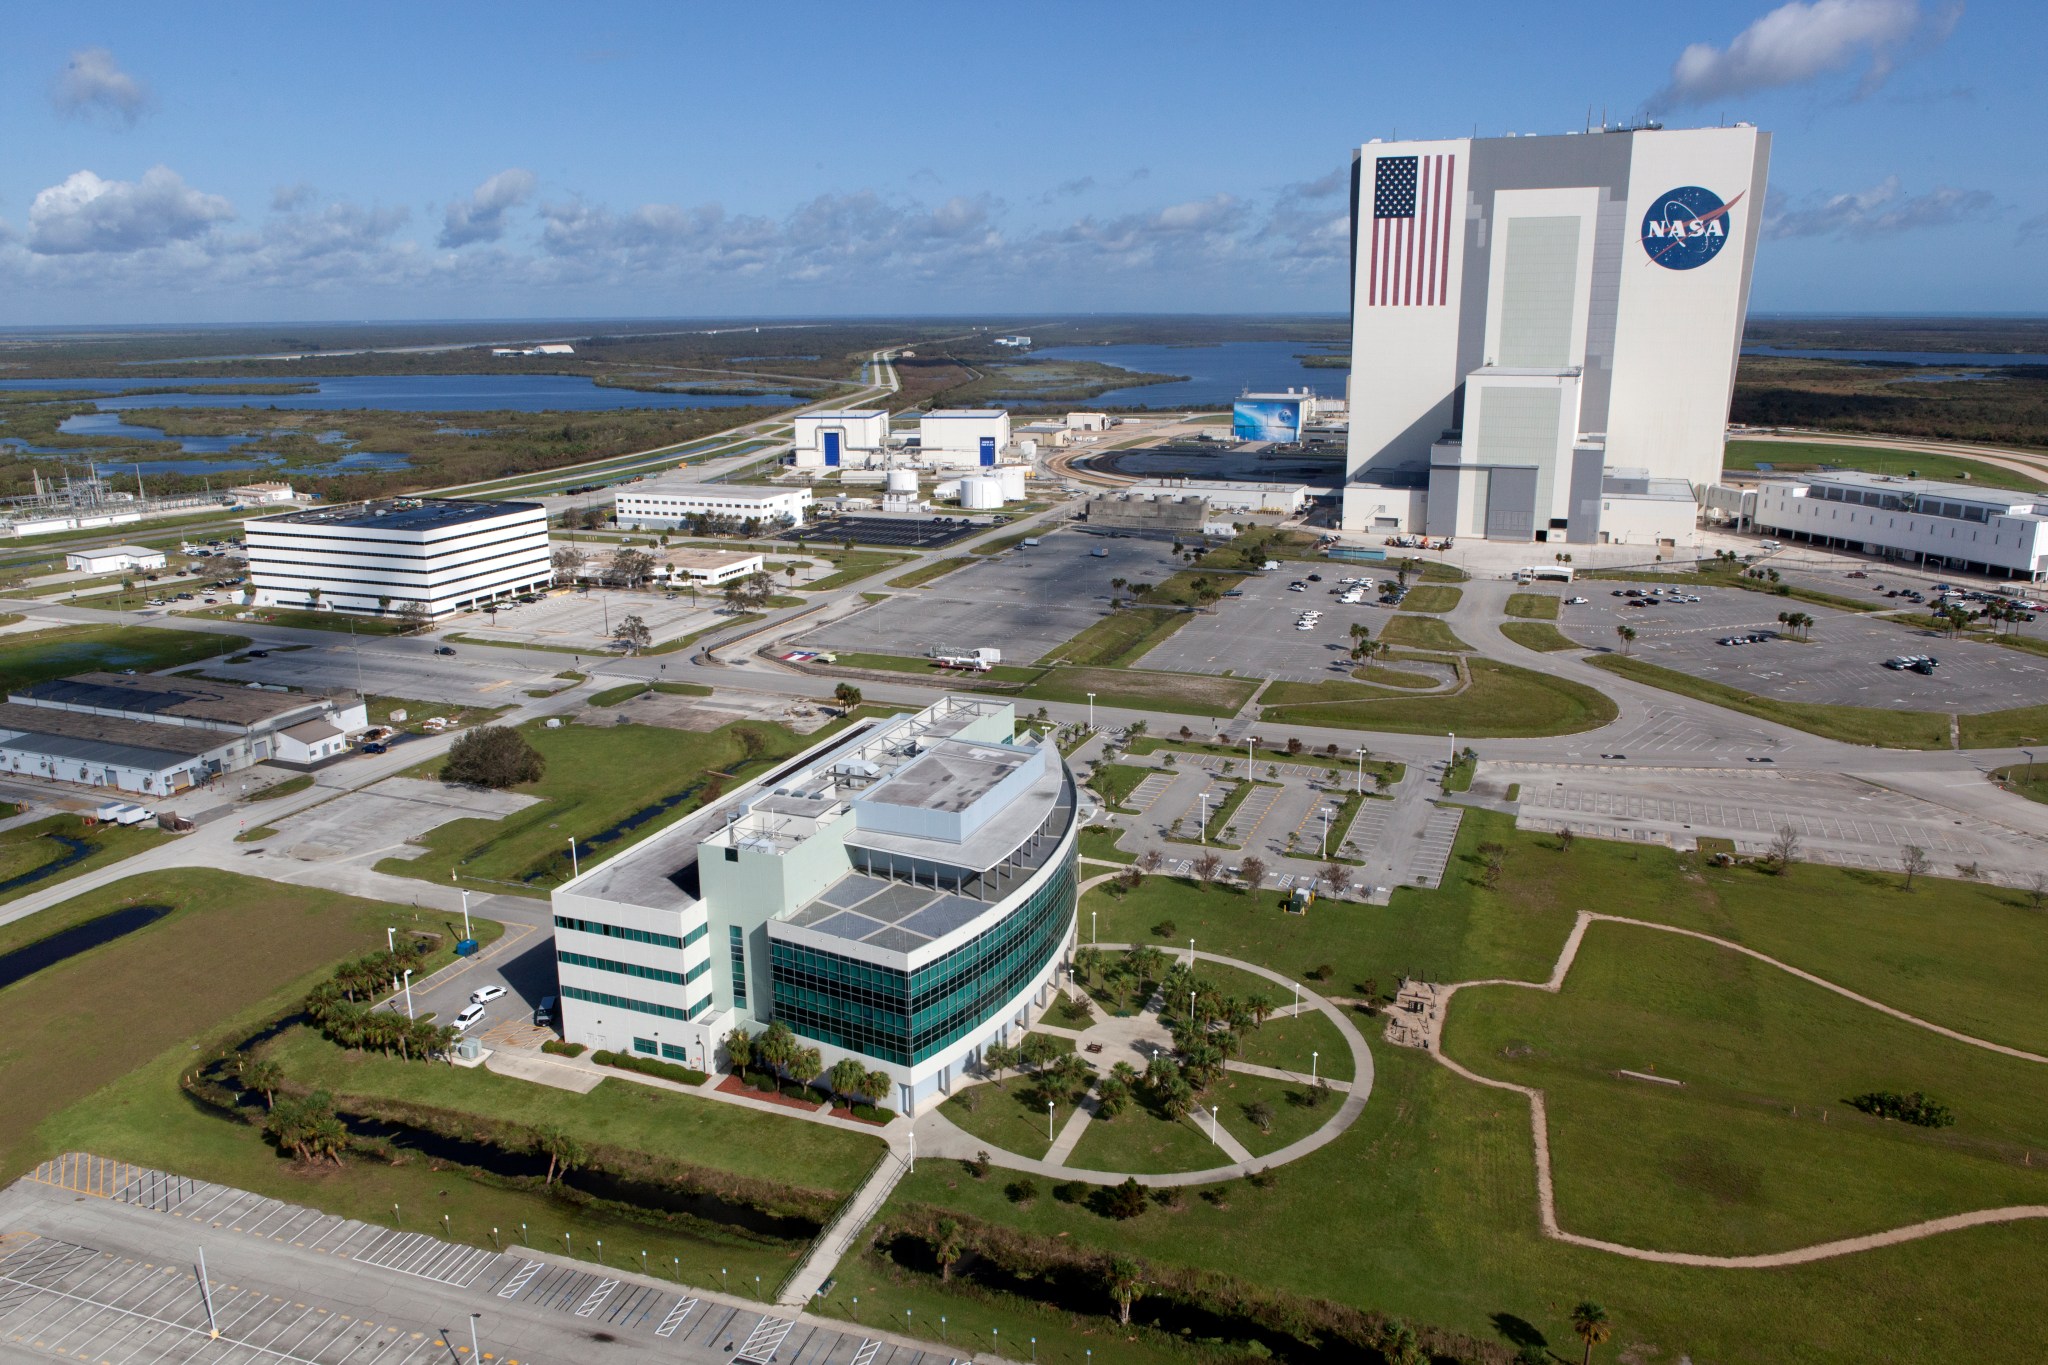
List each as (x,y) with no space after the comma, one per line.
(1528,312)
(963,436)
(844,437)
(445,553)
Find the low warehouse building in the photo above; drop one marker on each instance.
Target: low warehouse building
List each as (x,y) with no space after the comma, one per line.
(1919,521)
(115,559)
(661,504)
(1229,495)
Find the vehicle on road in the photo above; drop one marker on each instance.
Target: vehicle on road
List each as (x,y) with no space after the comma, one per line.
(376,746)
(544,1012)
(444,649)
(469,1018)
(259,654)
(1576,601)
(483,995)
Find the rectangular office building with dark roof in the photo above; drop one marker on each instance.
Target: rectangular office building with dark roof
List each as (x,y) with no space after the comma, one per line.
(445,554)
(903,894)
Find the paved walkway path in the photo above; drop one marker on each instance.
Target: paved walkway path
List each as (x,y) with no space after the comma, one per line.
(1546,1193)
(938,1136)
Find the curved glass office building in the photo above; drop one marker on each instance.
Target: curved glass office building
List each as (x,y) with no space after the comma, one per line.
(904,895)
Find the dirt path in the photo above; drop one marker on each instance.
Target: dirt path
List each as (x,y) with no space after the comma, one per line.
(1546,1195)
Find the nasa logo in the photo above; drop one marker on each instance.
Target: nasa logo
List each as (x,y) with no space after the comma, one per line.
(1686,227)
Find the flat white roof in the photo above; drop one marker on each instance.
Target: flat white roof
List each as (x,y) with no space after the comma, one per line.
(967,412)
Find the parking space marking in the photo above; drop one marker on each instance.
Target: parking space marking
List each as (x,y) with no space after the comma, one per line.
(676,1317)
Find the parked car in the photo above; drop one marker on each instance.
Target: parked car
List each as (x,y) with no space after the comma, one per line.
(469,1018)
(544,1012)
(483,995)
(444,649)
(259,653)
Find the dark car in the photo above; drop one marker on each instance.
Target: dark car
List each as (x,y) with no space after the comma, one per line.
(544,1012)
(376,747)
(444,649)
(1315,578)
(259,653)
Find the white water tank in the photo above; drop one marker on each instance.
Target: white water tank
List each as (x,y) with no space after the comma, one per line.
(902,481)
(981,493)
(1011,478)
(1028,448)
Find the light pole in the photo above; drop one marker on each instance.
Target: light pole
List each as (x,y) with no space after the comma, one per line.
(390,940)
(1212,1122)
(1297,997)
(1205,819)
(1091,712)
(1048,1120)
(1191,954)
(1313,1058)
(575,869)
(2030,765)
(465,914)
(1361,771)
(474,1353)
(1326,833)
(1093,937)
(1249,758)
(1454,747)
(408,993)
(1191,1009)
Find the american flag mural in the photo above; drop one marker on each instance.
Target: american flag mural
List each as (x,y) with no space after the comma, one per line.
(1411,232)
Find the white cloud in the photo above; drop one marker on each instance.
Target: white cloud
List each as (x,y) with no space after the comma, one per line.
(481,217)
(86,213)
(92,82)
(2037,226)
(1879,211)
(286,198)
(1801,40)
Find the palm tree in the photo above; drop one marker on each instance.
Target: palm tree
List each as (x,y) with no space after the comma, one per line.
(1628,636)
(846,1076)
(739,1047)
(947,1249)
(264,1075)
(563,1151)
(1124,1278)
(1590,1325)
(876,1085)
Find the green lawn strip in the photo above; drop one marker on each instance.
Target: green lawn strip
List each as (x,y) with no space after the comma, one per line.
(612,696)
(289,787)
(44,654)
(851,567)
(596,776)
(1723,1163)
(1420,632)
(1191,588)
(1099,841)
(931,569)
(1292,1116)
(1538,635)
(1459,777)
(25,848)
(256,835)
(1005,1116)
(619,1112)
(1287,1043)
(1118,637)
(903,663)
(1799,455)
(1145,1142)
(1394,677)
(1431,598)
(1533,606)
(417,712)
(1501,701)
(346,622)
(1114,782)
(1002,543)
(1851,724)
(229,943)
(2001,729)
(1185,694)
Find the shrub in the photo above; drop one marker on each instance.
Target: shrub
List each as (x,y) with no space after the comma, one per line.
(980,1166)
(764,1083)
(1166,928)
(1127,1200)
(649,1066)
(603,1056)
(1915,1108)
(492,756)
(1071,1191)
(562,1049)
(874,1113)
(797,1090)
(1022,1190)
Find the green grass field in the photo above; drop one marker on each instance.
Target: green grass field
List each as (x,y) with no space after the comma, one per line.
(850,566)
(1114,781)
(2027,779)
(44,654)
(932,569)
(1005,1115)
(1533,606)
(1799,455)
(344,622)
(1850,724)
(1538,635)
(26,848)
(1739,1160)
(1502,701)
(1185,694)
(1432,597)
(1420,632)
(229,943)
(1120,637)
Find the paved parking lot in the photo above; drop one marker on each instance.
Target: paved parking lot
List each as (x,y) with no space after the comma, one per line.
(574,620)
(1253,636)
(1024,601)
(1842,662)
(921,533)
(97,1264)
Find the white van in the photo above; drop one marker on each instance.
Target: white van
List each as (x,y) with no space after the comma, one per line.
(1769,545)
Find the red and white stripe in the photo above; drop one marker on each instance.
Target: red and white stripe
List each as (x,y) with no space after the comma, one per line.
(1411,257)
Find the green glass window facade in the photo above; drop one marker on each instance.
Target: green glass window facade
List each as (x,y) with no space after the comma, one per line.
(605,964)
(737,946)
(906,1017)
(591,926)
(640,1006)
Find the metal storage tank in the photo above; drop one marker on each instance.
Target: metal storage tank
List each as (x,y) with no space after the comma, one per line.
(981,494)
(902,481)
(1011,478)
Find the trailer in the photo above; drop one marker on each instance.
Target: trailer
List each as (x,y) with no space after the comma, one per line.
(977,660)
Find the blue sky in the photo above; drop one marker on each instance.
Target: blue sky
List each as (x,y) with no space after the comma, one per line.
(219,163)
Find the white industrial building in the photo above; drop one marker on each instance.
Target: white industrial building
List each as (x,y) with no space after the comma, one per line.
(259,494)
(663,504)
(443,553)
(1089,421)
(848,438)
(1229,495)
(114,559)
(1534,316)
(963,436)
(157,736)
(1953,526)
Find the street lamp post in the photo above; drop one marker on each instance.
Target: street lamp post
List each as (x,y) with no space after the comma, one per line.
(1326,833)
(1361,771)
(1205,819)
(1091,712)
(1048,1120)
(474,1353)
(574,869)
(1313,1059)
(408,993)
(2030,765)
(1454,747)
(1093,936)
(465,914)
(1191,954)
(390,940)
(1213,1109)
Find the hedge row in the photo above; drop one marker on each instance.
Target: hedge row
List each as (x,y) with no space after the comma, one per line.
(648,1066)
